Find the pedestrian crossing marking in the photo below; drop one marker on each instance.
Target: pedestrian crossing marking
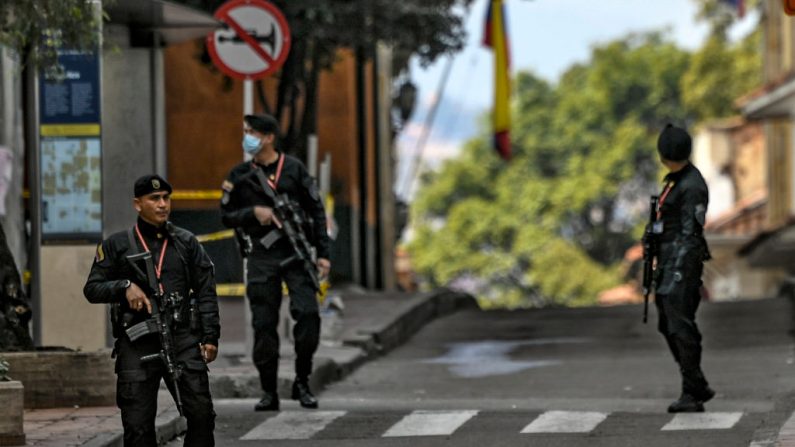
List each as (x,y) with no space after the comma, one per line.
(566,422)
(292,425)
(297,425)
(703,421)
(430,423)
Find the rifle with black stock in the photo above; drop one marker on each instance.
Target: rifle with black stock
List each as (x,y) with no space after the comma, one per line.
(650,248)
(293,228)
(159,322)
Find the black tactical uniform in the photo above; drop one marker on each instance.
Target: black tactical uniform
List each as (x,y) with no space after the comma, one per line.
(682,252)
(265,274)
(15,312)
(188,271)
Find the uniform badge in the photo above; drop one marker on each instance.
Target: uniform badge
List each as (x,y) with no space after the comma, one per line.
(155,183)
(100,255)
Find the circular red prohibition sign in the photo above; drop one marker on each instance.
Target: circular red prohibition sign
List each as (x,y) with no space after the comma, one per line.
(255,41)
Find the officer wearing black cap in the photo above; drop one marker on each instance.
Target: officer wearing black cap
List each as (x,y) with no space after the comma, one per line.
(682,210)
(246,206)
(185,275)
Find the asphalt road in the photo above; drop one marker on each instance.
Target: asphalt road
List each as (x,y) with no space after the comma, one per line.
(550,377)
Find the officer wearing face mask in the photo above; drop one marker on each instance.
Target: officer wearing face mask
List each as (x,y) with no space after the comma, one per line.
(682,211)
(246,206)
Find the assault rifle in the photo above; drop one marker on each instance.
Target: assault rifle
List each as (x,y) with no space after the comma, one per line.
(292,226)
(650,248)
(159,322)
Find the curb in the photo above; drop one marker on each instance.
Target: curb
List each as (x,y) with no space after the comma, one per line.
(168,425)
(428,307)
(356,349)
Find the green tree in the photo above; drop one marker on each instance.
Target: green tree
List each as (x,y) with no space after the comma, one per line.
(37,28)
(720,73)
(550,226)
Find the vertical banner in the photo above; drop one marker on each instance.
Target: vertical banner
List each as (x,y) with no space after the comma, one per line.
(495,36)
(70,132)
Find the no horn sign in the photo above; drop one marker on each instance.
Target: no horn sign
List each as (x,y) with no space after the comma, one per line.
(253,43)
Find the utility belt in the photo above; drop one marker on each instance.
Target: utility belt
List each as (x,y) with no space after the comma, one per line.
(173,309)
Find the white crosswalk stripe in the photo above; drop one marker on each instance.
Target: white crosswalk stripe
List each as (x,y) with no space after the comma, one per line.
(292,425)
(298,425)
(430,423)
(566,422)
(703,421)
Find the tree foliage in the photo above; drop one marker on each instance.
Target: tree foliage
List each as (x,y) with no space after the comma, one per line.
(551,226)
(37,28)
(320,28)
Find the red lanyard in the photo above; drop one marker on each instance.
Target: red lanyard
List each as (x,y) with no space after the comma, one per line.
(274,179)
(159,266)
(668,187)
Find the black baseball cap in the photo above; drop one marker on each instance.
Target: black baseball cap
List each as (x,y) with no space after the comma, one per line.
(263,123)
(151,183)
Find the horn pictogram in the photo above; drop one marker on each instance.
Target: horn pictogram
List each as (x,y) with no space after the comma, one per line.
(269,38)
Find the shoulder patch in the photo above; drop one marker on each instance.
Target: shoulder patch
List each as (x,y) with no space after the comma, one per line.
(100,255)
(227,186)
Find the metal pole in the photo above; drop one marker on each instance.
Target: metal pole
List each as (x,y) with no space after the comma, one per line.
(311,155)
(248,97)
(34,203)
(248,109)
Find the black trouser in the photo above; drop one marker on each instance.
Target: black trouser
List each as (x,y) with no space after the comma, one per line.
(136,396)
(265,298)
(677,323)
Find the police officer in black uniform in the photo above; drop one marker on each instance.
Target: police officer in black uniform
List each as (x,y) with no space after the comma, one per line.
(245,206)
(186,275)
(682,251)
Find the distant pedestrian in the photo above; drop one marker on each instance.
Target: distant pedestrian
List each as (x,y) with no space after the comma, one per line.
(682,211)
(186,302)
(248,205)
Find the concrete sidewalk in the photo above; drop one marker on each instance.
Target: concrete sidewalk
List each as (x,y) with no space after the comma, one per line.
(371,323)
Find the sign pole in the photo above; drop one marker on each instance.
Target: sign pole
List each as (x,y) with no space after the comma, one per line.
(253,44)
(248,96)
(248,109)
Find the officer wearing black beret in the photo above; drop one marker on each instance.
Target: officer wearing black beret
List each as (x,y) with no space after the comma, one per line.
(247,206)
(188,302)
(682,210)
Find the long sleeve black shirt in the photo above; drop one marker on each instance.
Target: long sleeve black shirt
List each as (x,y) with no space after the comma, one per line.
(186,270)
(242,192)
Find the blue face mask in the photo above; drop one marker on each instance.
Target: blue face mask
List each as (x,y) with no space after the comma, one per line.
(251,144)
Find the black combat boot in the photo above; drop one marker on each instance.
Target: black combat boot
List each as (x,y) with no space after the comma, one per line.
(303,394)
(270,402)
(686,404)
(705,394)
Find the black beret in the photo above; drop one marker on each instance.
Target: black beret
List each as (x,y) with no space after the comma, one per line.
(674,143)
(151,183)
(263,123)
